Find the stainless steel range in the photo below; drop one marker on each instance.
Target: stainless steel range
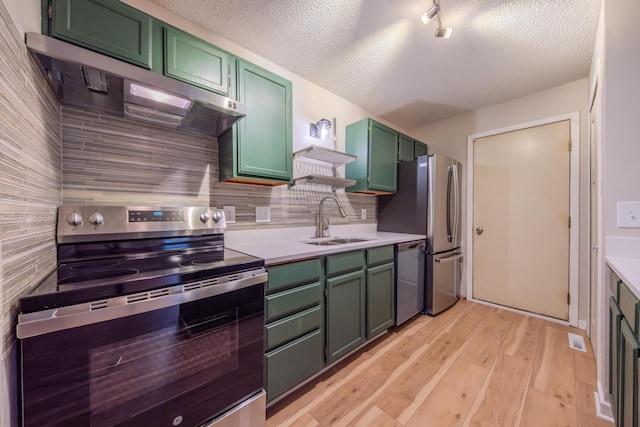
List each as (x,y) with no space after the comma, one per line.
(147,320)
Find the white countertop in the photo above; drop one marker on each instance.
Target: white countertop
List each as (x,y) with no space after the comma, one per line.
(623,257)
(279,245)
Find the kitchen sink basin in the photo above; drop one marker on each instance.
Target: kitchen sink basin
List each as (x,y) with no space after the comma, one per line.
(342,240)
(321,242)
(335,241)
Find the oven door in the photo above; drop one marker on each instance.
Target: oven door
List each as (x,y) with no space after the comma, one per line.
(177,359)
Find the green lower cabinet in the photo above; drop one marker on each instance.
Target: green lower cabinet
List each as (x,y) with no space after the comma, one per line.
(615,317)
(106,26)
(259,148)
(629,354)
(345,313)
(380,299)
(294,325)
(624,353)
(290,364)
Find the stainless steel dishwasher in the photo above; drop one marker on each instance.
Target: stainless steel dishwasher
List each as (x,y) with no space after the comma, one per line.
(410,262)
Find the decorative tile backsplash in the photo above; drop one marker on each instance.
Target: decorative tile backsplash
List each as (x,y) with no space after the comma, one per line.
(30,173)
(114,160)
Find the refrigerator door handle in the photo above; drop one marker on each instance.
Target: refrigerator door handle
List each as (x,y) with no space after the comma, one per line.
(449,186)
(456,218)
(452,258)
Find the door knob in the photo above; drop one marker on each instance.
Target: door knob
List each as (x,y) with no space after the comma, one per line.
(479,230)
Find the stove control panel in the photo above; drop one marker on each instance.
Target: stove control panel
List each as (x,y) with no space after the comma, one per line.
(99,223)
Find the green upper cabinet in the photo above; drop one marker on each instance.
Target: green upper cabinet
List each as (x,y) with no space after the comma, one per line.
(409,148)
(419,149)
(259,148)
(106,26)
(405,148)
(192,60)
(376,148)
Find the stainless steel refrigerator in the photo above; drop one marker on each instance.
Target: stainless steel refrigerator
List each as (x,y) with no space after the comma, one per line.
(428,202)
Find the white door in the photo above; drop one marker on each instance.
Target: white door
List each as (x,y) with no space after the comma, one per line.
(521,219)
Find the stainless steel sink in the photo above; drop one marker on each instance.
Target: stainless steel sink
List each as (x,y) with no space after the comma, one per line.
(342,240)
(335,241)
(321,242)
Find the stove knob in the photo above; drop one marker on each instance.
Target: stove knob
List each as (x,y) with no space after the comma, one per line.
(204,217)
(217,216)
(75,219)
(96,219)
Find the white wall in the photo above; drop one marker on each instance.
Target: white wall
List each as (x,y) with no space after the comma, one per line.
(25,14)
(449,137)
(621,113)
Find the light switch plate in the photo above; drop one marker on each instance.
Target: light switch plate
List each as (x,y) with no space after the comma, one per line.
(363,214)
(628,214)
(229,214)
(263,214)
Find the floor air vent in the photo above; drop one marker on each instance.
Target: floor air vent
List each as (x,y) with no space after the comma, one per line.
(576,342)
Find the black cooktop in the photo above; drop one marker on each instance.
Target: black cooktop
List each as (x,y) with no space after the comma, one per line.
(94,279)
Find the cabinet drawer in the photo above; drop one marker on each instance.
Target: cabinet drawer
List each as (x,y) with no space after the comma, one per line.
(292,327)
(379,255)
(343,263)
(293,300)
(614,283)
(629,306)
(292,363)
(287,275)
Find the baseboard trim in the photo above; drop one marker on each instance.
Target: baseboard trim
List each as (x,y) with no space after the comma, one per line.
(582,324)
(603,407)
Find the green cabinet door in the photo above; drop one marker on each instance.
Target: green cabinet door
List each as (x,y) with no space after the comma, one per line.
(419,149)
(375,146)
(259,148)
(380,300)
(615,318)
(629,353)
(405,148)
(345,309)
(192,60)
(106,26)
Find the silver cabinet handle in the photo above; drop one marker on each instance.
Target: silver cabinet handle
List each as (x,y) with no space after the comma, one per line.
(479,230)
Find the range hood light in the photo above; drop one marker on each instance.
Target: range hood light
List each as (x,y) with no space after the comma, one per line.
(156,95)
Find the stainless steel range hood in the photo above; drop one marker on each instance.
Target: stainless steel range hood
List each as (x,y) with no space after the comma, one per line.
(90,80)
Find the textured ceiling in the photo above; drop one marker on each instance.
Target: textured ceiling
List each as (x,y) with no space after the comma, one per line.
(378,54)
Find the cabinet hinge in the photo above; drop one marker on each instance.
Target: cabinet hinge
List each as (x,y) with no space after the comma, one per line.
(228,76)
(49,12)
(569,222)
(569,145)
(568,298)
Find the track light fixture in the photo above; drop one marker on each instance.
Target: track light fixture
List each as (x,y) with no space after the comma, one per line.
(429,14)
(434,10)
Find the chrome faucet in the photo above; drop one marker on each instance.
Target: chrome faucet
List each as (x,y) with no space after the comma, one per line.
(322,230)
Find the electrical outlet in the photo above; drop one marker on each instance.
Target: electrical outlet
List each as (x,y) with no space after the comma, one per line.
(628,214)
(363,214)
(230,214)
(263,214)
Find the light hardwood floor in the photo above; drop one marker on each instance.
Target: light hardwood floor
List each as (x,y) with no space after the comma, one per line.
(473,365)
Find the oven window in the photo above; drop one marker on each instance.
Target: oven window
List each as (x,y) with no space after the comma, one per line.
(184,364)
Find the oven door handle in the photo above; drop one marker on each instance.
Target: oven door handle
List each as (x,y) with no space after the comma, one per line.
(58,319)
